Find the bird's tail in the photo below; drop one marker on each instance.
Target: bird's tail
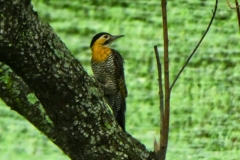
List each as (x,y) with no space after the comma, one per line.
(120,113)
(118,105)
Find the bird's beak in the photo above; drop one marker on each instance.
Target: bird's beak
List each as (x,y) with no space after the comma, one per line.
(111,39)
(116,37)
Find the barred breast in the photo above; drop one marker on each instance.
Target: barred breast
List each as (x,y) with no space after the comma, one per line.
(104,73)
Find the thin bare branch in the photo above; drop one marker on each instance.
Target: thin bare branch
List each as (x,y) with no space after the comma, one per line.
(229,5)
(238,13)
(195,49)
(160,83)
(165,125)
(161,106)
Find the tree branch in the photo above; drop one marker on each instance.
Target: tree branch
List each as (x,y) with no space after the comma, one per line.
(166,115)
(195,49)
(237,10)
(83,125)
(16,94)
(229,5)
(161,106)
(238,13)
(160,82)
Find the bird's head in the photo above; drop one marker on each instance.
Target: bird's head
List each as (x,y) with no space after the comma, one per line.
(104,39)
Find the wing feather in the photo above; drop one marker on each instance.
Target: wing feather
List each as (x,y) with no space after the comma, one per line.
(118,62)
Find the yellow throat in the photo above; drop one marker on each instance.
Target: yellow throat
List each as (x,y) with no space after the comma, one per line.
(100,53)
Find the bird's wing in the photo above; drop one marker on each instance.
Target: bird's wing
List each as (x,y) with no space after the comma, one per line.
(118,62)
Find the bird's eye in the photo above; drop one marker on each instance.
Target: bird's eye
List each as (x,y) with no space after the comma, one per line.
(106,36)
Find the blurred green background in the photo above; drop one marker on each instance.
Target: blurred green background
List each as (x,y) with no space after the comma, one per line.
(205,111)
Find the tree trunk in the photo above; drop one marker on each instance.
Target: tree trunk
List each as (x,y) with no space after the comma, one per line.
(42,81)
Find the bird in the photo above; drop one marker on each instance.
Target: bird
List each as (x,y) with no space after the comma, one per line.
(107,67)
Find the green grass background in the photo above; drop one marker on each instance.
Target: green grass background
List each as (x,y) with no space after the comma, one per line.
(205,113)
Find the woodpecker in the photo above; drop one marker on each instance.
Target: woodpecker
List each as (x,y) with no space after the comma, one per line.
(107,66)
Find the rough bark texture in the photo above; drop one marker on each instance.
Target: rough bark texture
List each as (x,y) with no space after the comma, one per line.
(68,107)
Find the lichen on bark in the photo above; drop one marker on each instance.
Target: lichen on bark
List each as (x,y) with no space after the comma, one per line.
(70,109)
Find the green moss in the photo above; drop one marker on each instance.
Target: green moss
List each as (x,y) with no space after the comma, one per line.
(32,98)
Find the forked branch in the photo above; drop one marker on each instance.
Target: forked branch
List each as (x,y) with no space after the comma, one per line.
(161,149)
(230,6)
(237,10)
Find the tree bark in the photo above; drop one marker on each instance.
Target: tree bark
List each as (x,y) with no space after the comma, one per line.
(42,81)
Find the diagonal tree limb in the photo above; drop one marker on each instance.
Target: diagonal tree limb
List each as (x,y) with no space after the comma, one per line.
(82,122)
(195,49)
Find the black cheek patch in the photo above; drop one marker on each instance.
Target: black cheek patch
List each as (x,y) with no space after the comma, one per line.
(107,42)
